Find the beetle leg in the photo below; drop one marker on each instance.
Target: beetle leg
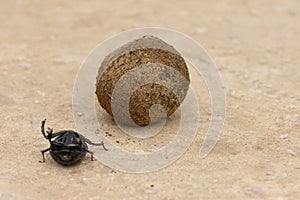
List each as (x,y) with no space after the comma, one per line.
(43,152)
(99,144)
(43,129)
(102,144)
(86,140)
(92,143)
(90,152)
(49,132)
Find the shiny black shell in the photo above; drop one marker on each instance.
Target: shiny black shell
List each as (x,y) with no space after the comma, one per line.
(68,147)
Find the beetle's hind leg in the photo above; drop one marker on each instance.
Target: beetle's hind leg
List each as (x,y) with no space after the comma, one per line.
(92,143)
(43,152)
(99,144)
(102,144)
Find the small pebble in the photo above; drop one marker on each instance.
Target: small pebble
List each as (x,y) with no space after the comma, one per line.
(283,136)
(41,93)
(20,58)
(148,191)
(256,190)
(25,142)
(67,60)
(269,178)
(85,181)
(290,151)
(268,85)
(94,198)
(79,114)
(201,30)
(25,65)
(292,106)
(217,118)
(235,95)
(46,173)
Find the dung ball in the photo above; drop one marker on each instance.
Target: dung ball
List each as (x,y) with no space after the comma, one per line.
(145,72)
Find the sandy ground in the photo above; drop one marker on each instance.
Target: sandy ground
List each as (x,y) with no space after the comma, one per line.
(256,46)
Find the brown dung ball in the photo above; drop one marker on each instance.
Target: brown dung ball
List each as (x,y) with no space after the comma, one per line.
(159,75)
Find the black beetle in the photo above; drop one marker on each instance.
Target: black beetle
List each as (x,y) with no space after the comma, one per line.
(68,147)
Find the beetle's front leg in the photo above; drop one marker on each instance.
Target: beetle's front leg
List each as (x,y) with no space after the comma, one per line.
(92,154)
(43,152)
(43,129)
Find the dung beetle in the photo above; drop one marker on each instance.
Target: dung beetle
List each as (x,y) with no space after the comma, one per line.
(67,147)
